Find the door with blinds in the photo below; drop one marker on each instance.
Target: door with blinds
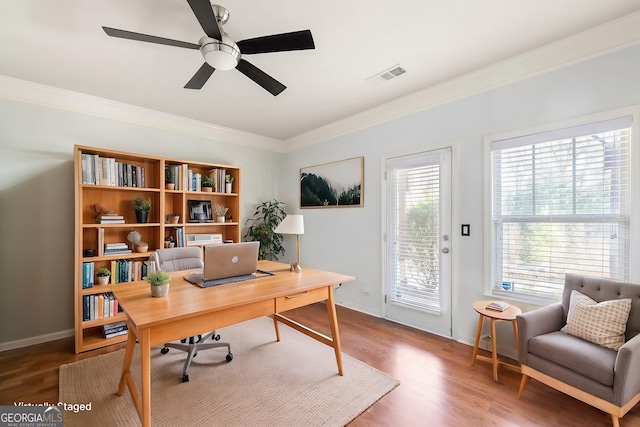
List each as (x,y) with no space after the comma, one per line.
(418,240)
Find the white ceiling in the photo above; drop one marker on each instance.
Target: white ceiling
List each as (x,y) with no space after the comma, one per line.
(61,44)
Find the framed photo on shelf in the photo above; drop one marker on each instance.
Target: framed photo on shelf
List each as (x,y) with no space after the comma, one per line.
(337,184)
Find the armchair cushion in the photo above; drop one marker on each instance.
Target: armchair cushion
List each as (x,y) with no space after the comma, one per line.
(602,323)
(596,362)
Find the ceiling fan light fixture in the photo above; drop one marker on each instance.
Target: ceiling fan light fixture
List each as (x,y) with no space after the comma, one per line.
(221,55)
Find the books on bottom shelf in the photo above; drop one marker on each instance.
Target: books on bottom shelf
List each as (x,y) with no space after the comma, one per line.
(115,329)
(497,305)
(98,306)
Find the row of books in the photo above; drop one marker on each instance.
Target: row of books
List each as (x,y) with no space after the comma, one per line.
(115,329)
(98,170)
(99,306)
(122,270)
(187,180)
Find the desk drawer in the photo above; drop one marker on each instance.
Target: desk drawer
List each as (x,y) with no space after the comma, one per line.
(301,299)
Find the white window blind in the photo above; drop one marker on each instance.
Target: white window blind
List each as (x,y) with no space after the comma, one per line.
(560,204)
(414,212)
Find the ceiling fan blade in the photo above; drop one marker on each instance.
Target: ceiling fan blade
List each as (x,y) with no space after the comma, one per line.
(123,34)
(297,40)
(263,79)
(200,77)
(204,13)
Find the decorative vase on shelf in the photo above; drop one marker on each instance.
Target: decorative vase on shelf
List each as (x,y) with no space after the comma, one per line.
(142,247)
(220,219)
(228,186)
(103,280)
(207,189)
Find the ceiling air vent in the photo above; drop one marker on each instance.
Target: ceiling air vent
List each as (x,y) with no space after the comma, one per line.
(386,75)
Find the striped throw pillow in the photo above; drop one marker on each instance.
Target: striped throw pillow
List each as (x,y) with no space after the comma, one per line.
(602,323)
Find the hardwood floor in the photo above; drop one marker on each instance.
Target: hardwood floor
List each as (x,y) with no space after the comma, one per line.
(438,385)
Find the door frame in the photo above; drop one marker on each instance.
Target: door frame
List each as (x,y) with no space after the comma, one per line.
(455,228)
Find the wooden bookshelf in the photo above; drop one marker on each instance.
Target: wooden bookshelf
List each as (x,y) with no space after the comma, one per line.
(114,193)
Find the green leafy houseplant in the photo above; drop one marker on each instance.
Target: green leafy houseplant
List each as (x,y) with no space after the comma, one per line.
(265,220)
(168,176)
(103,276)
(158,278)
(208,181)
(141,204)
(142,207)
(159,281)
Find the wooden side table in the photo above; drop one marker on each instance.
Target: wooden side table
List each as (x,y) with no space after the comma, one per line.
(509,315)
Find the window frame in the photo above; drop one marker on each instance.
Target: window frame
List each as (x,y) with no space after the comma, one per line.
(634,196)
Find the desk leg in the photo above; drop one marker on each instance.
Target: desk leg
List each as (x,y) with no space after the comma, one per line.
(145,362)
(335,334)
(126,366)
(275,325)
(475,347)
(494,349)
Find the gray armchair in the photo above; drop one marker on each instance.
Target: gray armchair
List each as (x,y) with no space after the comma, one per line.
(187,258)
(601,377)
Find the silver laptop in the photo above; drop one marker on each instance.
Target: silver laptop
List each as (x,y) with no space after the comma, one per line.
(227,263)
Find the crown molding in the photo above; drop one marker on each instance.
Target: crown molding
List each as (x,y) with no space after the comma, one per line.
(35,93)
(609,37)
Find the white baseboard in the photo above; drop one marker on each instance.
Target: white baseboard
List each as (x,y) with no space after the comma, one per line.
(10,345)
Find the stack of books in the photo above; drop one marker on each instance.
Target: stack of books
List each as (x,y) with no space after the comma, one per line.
(115,329)
(110,219)
(497,305)
(116,248)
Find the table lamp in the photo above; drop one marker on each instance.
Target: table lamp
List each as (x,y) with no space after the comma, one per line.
(292,224)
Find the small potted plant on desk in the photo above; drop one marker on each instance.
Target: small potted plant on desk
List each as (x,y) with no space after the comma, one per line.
(208,182)
(142,207)
(159,281)
(103,276)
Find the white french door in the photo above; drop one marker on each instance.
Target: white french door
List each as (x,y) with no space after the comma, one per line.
(417,263)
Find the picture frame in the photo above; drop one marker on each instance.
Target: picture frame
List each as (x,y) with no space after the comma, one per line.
(338,184)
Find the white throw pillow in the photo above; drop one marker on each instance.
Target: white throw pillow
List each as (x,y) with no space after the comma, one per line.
(602,323)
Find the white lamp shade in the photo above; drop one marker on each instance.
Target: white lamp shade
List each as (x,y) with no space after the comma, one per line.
(291,224)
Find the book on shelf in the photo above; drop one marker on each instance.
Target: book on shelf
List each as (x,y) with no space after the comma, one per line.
(120,245)
(110,219)
(99,306)
(88,270)
(497,305)
(97,170)
(115,329)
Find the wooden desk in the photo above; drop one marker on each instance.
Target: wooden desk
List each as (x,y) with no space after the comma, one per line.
(508,315)
(190,310)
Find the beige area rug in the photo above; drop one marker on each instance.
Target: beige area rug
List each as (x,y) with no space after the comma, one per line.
(293,382)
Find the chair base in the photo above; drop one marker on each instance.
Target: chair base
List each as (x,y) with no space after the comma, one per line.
(192,346)
(615,411)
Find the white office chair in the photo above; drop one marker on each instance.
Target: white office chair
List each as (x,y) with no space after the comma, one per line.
(177,259)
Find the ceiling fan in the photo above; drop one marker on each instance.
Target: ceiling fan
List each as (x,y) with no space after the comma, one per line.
(223,53)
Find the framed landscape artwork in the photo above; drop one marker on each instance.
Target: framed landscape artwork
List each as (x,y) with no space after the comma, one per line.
(333,185)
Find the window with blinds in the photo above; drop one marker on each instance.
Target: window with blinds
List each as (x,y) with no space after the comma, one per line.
(560,204)
(413,240)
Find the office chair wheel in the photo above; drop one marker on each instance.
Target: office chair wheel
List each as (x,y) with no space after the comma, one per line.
(164,350)
(183,340)
(185,378)
(215,337)
(229,357)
